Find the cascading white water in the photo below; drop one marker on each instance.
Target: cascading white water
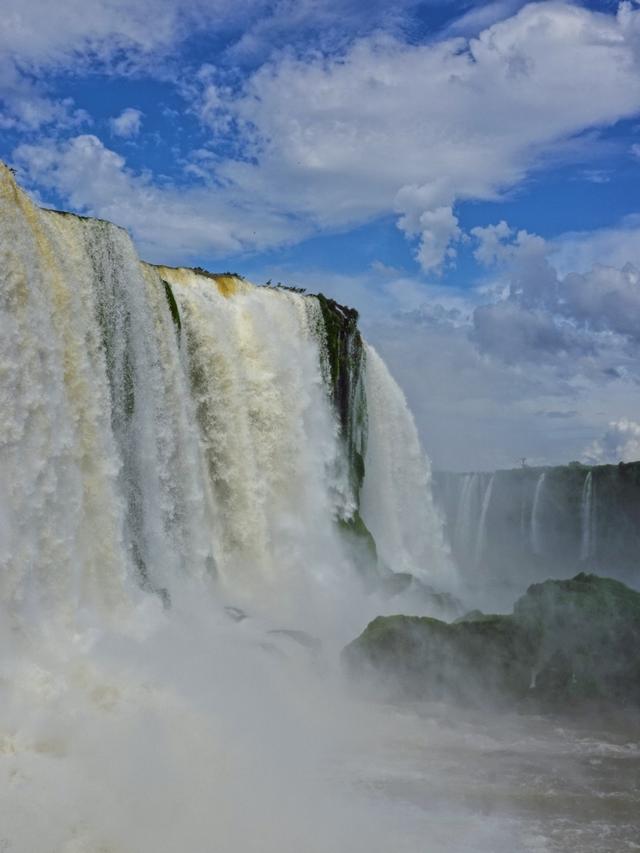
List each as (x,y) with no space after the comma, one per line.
(102,486)
(536,528)
(159,460)
(269,437)
(464,514)
(586,518)
(134,454)
(482,523)
(401,515)
(466,528)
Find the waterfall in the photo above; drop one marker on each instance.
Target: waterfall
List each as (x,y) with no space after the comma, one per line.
(536,532)
(482,523)
(163,425)
(182,477)
(269,435)
(587,518)
(465,515)
(401,515)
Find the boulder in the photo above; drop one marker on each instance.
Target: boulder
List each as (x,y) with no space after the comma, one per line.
(566,641)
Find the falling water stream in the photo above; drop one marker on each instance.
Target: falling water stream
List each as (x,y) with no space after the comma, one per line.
(536,527)
(482,523)
(586,518)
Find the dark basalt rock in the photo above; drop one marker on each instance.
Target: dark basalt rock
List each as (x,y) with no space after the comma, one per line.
(567,642)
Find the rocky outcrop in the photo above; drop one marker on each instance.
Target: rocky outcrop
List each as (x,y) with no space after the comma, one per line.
(567,642)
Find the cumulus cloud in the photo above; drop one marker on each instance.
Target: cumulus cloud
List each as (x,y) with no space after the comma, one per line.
(437,229)
(542,314)
(379,125)
(117,36)
(620,443)
(170,223)
(128,124)
(579,251)
(415,128)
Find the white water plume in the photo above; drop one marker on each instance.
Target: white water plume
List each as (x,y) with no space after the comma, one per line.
(269,437)
(397,503)
(482,523)
(464,513)
(587,512)
(536,527)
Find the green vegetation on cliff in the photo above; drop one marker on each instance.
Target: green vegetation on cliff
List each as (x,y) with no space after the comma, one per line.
(173,306)
(346,358)
(566,641)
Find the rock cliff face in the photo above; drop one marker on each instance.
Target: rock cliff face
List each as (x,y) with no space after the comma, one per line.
(567,642)
(510,528)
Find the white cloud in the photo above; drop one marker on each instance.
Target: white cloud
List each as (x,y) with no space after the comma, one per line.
(170,223)
(389,125)
(128,124)
(579,251)
(528,346)
(117,36)
(546,312)
(620,443)
(483,15)
(385,126)
(437,229)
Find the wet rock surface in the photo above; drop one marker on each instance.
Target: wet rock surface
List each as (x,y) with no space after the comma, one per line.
(567,643)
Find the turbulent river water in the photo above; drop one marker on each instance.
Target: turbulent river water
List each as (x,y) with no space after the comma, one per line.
(183,535)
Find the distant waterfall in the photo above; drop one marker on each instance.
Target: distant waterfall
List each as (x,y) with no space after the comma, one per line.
(536,527)
(587,516)
(533,523)
(464,513)
(482,524)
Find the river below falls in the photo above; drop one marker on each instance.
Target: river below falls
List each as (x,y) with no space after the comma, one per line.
(211,736)
(461,782)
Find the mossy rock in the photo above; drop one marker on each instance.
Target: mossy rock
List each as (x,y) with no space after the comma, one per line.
(427,658)
(566,642)
(173,306)
(587,631)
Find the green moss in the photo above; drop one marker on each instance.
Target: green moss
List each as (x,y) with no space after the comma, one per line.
(355,527)
(173,306)
(476,616)
(579,638)
(346,361)
(426,656)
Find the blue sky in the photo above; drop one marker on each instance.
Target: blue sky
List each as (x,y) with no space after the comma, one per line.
(466,174)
